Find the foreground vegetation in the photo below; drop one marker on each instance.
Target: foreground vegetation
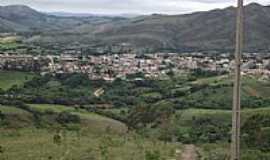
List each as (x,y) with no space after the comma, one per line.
(39,144)
(91,137)
(146,119)
(95,136)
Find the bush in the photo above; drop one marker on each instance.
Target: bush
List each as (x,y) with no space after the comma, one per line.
(2,116)
(66,117)
(255,155)
(152,155)
(256,132)
(205,130)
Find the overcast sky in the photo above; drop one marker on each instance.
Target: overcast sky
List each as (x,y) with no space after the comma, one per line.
(127,6)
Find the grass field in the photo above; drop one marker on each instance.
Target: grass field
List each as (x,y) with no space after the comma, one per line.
(225,115)
(95,141)
(216,93)
(61,108)
(11,110)
(250,85)
(38,144)
(8,79)
(97,138)
(97,122)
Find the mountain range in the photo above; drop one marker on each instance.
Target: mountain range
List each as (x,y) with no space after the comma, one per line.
(200,31)
(70,14)
(19,18)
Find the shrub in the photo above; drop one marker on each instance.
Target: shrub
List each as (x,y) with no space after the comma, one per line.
(256,132)
(66,117)
(152,155)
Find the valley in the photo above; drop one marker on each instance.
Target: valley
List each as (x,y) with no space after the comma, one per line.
(115,86)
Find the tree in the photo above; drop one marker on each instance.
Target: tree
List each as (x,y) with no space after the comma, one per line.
(153,115)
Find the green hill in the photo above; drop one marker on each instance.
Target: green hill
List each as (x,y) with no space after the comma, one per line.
(9,79)
(95,137)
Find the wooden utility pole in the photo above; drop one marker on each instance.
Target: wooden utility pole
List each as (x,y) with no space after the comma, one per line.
(235,146)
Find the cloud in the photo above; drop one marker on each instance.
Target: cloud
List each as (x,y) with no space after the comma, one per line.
(127,6)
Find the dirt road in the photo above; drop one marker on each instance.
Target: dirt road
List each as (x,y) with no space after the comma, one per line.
(189,153)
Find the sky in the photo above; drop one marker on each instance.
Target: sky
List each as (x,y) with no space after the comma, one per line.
(127,6)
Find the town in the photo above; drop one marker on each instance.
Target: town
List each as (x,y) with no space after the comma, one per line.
(153,66)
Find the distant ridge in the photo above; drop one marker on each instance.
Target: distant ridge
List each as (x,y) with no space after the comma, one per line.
(199,31)
(20,18)
(70,14)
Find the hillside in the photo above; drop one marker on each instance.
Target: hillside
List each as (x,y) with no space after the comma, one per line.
(8,79)
(19,18)
(25,137)
(130,117)
(211,30)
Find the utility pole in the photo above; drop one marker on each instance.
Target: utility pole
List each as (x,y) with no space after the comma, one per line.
(235,144)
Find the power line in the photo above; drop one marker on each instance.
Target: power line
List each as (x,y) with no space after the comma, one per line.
(235,145)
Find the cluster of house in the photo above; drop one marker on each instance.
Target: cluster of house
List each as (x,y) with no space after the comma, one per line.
(110,67)
(23,62)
